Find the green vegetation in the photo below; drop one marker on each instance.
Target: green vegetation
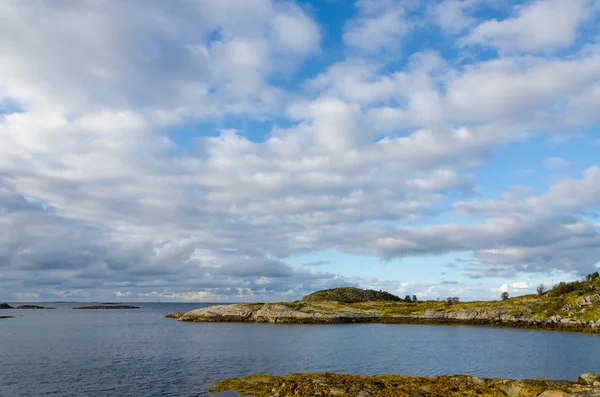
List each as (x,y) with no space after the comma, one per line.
(541,289)
(572,306)
(504,296)
(351,295)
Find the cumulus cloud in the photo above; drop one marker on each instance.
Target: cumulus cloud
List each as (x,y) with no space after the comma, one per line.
(379,26)
(541,26)
(102,193)
(556,163)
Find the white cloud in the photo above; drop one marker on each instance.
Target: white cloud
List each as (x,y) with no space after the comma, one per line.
(556,163)
(542,26)
(380,26)
(370,158)
(452,15)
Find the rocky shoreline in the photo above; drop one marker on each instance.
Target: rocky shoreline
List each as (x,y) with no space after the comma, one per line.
(583,315)
(328,384)
(276,313)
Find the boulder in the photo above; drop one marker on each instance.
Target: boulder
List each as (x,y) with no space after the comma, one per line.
(588,300)
(5,306)
(553,393)
(588,378)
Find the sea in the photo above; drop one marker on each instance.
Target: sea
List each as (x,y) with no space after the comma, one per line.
(138,353)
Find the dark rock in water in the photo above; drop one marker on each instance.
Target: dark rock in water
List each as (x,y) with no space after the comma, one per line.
(106,307)
(351,295)
(5,306)
(7,317)
(33,307)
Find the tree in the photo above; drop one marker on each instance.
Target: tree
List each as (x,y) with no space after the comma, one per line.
(407,299)
(452,300)
(541,289)
(415,298)
(504,296)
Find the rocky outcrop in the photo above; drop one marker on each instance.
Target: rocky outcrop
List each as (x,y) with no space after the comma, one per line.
(589,378)
(327,384)
(272,313)
(5,306)
(106,307)
(526,312)
(336,313)
(589,300)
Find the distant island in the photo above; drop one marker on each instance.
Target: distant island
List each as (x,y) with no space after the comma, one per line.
(328,384)
(111,307)
(573,306)
(4,305)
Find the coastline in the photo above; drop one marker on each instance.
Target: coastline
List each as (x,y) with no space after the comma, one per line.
(331,384)
(334,312)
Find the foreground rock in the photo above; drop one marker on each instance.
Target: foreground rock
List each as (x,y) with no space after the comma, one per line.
(325,384)
(5,306)
(119,307)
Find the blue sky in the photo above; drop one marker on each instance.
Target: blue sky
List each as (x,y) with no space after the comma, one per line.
(263,149)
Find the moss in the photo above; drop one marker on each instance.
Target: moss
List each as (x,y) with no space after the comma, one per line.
(329,384)
(297,305)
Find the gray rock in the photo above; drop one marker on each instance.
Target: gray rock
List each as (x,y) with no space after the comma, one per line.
(5,306)
(588,300)
(588,378)
(431,314)
(240,312)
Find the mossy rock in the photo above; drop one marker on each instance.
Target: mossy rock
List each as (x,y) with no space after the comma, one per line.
(351,295)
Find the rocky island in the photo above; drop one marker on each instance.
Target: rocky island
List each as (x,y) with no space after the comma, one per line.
(5,306)
(101,307)
(327,384)
(29,307)
(567,307)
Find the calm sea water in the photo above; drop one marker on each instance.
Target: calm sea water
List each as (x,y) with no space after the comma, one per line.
(66,352)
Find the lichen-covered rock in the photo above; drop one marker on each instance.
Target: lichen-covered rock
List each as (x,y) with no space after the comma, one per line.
(589,300)
(240,312)
(328,384)
(588,378)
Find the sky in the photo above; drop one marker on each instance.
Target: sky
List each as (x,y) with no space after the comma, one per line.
(259,150)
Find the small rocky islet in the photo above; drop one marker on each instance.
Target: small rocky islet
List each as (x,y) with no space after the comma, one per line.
(329,384)
(558,309)
(4,305)
(106,307)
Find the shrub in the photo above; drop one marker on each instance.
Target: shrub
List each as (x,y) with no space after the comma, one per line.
(452,300)
(504,296)
(541,289)
(414,298)
(407,298)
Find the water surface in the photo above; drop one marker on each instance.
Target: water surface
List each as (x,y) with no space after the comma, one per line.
(66,352)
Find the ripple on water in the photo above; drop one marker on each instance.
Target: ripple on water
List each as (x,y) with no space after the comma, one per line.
(67,352)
